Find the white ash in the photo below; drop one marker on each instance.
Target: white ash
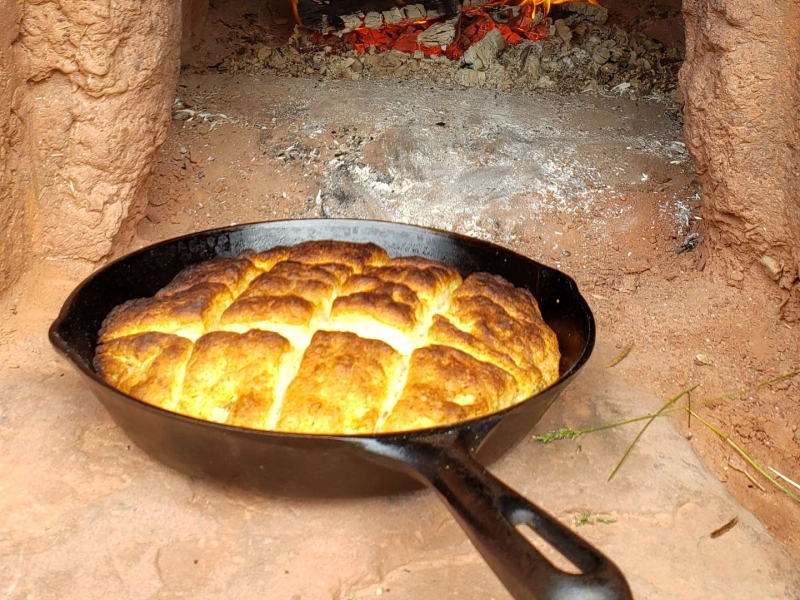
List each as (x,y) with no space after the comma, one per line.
(373,20)
(299,153)
(533,171)
(477,162)
(351,23)
(470,78)
(394,16)
(182,112)
(684,211)
(415,12)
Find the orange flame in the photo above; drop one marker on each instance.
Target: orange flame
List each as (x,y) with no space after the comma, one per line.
(545,4)
(548,3)
(296,12)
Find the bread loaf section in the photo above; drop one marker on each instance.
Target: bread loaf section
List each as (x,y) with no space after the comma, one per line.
(329,337)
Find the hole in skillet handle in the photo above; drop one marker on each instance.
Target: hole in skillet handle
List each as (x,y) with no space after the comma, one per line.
(552,555)
(490,513)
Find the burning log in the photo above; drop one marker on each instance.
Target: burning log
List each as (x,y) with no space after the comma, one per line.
(348,15)
(484,52)
(593,12)
(429,34)
(351,14)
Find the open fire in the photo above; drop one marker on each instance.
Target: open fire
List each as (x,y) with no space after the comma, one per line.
(569,47)
(430,29)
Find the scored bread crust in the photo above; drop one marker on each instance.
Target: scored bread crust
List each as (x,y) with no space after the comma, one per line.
(445,385)
(330,337)
(341,386)
(232,377)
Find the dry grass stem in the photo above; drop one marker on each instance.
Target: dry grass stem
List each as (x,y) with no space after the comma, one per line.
(727,439)
(568,433)
(746,473)
(587,518)
(725,528)
(748,389)
(564,433)
(621,357)
(689,403)
(784,477)
(669,403)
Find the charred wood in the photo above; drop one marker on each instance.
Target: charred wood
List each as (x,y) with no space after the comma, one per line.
(346,14)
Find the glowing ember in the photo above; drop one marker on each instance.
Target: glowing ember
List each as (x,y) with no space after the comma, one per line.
(516,20)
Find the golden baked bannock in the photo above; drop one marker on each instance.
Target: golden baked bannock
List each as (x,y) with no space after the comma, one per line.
(329,337)
(188,313)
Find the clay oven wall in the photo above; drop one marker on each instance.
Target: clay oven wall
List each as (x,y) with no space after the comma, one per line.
(741,82)
(13,234)
(94,81)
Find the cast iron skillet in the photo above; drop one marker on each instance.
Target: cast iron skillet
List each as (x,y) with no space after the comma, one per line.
(448,459)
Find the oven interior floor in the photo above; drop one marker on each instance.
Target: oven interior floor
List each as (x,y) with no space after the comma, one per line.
(600,187)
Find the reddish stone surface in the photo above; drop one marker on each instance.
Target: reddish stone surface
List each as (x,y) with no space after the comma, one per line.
(741,84)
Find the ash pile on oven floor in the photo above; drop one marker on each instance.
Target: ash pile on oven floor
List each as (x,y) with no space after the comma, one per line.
(583,52)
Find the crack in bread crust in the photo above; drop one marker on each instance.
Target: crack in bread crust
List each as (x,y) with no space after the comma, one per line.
(329,337)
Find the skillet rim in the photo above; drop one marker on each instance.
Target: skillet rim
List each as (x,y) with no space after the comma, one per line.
(442,431)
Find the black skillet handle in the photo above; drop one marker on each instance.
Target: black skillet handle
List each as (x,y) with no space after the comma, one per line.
(489,511)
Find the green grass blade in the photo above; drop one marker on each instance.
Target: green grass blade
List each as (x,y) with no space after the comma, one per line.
(669,403)
(567,433)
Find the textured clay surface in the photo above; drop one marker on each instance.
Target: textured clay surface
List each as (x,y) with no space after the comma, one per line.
(742,91)
(12,205)
(99,82)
